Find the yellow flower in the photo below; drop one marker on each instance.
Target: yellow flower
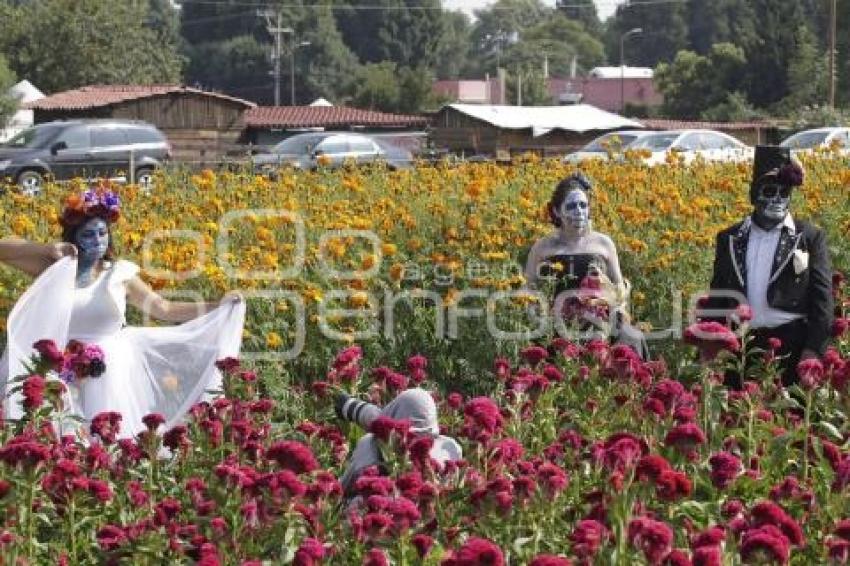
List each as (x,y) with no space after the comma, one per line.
(273,340)
(396,272)
(389,250)
(358,299)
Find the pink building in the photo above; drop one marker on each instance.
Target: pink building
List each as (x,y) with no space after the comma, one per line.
(600,89)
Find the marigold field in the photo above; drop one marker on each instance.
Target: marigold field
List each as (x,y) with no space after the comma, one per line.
(581,454)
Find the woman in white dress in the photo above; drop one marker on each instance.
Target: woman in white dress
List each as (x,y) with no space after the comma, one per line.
(81,292)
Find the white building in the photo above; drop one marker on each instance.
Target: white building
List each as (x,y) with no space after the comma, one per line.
(25,92)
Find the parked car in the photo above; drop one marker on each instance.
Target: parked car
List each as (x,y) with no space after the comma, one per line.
(808,140)
(707,144)
(606,145)
(331,149)
(87,149)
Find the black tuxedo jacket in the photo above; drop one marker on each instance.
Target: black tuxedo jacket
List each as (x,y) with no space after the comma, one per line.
(808,293)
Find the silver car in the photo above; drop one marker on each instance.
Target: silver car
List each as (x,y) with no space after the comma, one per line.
(330,149)
(606,145)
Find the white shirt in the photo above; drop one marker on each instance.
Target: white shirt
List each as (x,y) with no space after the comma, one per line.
(761,249)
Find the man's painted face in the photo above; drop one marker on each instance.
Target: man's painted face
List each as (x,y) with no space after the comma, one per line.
(773,201)
(574,212)
(93,239)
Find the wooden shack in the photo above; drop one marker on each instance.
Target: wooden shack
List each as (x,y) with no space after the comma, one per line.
(494,130)
(201,126)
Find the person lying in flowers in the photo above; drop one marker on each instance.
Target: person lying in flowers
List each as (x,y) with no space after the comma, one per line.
(583,263)
(81,291)
(777,267)
(411,416)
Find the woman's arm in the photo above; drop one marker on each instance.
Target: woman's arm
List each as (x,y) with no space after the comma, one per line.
(532,265)
(30,257)
(141,296)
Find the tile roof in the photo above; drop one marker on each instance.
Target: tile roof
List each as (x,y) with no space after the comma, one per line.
(664,124)
(105,95)
(326,117)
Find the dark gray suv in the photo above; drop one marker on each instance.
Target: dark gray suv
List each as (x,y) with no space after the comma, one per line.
(83,148)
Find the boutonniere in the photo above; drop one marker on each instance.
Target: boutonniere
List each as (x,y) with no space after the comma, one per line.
(801,261)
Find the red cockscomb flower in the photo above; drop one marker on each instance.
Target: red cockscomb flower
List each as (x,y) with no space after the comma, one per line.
(293,455)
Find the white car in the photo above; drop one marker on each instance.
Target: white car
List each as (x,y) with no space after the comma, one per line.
(708,145)
(808,140)
(606,145)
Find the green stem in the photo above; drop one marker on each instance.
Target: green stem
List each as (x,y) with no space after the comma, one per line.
(806,425)
(72,533)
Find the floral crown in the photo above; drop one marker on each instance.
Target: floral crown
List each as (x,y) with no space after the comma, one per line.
(93,203)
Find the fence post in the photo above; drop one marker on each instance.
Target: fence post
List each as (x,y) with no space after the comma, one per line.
(132,167)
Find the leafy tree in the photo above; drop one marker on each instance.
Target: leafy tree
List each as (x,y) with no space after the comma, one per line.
(8,104)
(238,65)
(62,44)
(693,83)
(500,26)
(665,33)
(406,32)
(718,21)
(452,58)
(327,64)
(375,86)
(533,83)
(209,22)
(584,12)
(807,73)
(561,40)
(736,108)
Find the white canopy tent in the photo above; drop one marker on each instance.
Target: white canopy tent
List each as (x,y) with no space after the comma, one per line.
(543,119)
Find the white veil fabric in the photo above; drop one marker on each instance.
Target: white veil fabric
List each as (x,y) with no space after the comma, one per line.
(148,369)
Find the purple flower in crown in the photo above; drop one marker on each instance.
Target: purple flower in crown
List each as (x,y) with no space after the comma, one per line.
(791,174)
(110,200)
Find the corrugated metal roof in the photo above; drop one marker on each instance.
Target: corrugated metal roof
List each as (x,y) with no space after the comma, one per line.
(543,119)
(95,96)
(326,117)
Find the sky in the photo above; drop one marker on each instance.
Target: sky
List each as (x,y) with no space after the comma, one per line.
(604,7)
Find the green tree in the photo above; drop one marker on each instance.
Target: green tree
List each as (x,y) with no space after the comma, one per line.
(453,52)
(693,84)
(665,33)
(533,83)
(238,65)
(8,104)
(584,12)
(327,64)
(719,21)
(406,32)
(375,86)
(561,40)
(807,74)
(500,26)
(62,44)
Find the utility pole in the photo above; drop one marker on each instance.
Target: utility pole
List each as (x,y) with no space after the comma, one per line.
(277,31)
(832,31)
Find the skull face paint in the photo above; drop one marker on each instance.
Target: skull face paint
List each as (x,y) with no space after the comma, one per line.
(92,240)
(574,212)
(772,203)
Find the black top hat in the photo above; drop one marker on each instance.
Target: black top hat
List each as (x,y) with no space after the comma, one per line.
(775,163)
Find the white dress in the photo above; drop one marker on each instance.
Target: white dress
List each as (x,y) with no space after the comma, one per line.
(148,369)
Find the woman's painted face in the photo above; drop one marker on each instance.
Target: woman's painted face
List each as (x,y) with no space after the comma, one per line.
(575,210)
(93,239)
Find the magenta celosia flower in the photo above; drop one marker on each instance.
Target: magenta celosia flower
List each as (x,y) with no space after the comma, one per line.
(725,467)
(769,513)
(484,415)
(106,425)
(552,478)
(479,552)
(707,556)
(764,544)
(375,557)
(153,421)
(385,427)
(684,436)
(110,537)
(33,391)
(293,455)
(653,538)
(533,355)
(423,544)
(587,537)
(811,373)
(711,338)
(672,485)
(650,467)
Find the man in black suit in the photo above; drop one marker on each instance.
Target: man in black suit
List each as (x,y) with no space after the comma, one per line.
(779,265)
